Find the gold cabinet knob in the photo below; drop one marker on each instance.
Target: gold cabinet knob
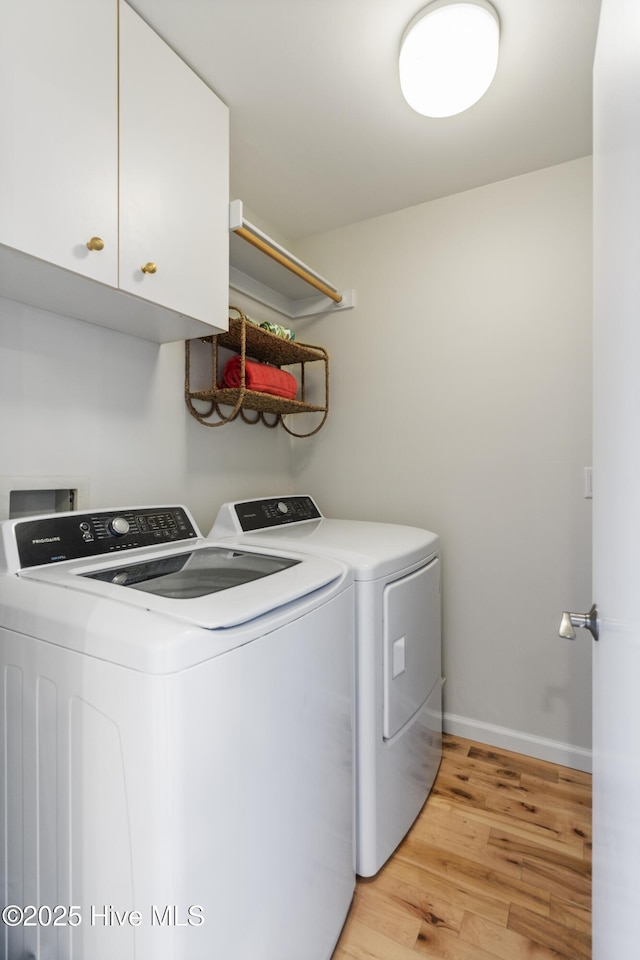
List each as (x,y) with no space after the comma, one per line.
(96,243)
(149,268)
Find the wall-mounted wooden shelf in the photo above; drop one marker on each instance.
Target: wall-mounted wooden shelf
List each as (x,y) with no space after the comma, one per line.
(270,274)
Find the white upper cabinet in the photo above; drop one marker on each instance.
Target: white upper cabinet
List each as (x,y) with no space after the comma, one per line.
(59,132)
(110,142)
(173,162)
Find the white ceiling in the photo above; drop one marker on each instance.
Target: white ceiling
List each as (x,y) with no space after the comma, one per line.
(320,133)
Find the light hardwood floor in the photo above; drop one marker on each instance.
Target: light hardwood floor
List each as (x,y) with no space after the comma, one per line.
(496,867)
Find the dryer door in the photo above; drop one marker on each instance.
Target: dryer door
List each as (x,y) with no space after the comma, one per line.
(412,654)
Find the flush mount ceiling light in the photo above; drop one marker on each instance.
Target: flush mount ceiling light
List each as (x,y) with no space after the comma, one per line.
(448,56)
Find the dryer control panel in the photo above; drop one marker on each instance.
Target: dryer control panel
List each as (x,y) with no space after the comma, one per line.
(275,511)
(74,536)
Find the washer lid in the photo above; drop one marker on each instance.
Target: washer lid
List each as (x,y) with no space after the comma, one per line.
(202,583)
(198,573)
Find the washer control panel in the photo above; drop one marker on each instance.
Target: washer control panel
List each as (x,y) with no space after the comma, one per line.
(78,535)
(275,511)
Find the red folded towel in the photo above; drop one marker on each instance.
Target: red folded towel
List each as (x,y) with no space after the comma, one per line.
(261,377)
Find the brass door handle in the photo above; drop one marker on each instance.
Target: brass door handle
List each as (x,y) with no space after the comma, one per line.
(149,268)
(96,243)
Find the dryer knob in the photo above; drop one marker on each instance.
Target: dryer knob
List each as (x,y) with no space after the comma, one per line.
(119,527)
(282,507)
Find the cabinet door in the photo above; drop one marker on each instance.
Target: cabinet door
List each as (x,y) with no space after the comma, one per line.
(174,179)
(58,117)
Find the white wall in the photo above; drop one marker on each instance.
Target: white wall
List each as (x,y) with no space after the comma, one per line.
(80,400)
(461,402)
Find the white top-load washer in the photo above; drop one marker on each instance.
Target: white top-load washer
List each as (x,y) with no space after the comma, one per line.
(176,729)
(396,570)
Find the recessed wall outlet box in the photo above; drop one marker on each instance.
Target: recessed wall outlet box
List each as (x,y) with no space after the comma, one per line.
(27,496)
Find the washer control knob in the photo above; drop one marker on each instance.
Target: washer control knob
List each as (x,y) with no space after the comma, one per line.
(282,507)
(119,527)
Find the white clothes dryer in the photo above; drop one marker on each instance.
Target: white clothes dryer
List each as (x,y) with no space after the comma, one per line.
(176,733)
(396,570)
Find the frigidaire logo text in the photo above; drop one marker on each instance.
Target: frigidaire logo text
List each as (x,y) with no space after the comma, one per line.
(47,540)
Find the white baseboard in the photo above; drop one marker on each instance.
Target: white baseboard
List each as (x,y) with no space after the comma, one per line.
(564,754)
